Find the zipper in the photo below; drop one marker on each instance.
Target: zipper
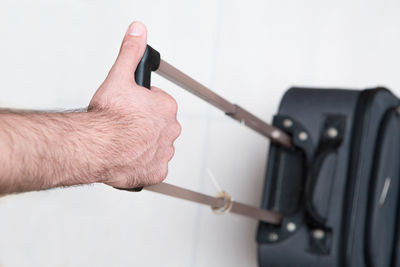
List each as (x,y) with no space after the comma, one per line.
(360,124)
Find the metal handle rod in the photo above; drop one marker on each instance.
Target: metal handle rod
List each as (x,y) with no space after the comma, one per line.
(236,112)
(237,207)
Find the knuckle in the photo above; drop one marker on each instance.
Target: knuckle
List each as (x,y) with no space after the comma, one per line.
(174,106)
(171,153)
(178,129)
(171,105)
(174,131)
(155,89)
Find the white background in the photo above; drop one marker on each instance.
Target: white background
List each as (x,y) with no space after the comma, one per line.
(54,55)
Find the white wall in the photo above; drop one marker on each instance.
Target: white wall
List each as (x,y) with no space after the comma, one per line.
(54,54)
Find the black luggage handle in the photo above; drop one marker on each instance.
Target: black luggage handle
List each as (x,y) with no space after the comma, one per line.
(149,62)
(330,139)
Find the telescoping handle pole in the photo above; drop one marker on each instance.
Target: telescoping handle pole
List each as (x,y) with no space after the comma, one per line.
(152,61)
(235,111)
(217,203)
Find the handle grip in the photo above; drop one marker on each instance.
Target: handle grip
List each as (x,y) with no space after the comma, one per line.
(149,62)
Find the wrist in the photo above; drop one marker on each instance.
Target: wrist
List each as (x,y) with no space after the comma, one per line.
(83,149)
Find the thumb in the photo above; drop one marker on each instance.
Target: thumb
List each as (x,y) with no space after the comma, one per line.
(131,51)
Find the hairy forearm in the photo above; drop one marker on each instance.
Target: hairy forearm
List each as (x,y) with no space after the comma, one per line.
(45,150)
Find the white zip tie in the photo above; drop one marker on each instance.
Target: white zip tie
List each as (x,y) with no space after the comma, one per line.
(213,180)
(228,201)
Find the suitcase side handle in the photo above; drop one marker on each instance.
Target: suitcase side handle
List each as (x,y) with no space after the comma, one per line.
(322,166)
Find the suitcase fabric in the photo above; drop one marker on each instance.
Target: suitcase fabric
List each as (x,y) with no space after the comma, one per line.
(339,188)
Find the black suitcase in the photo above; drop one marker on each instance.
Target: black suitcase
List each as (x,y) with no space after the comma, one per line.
(339,189)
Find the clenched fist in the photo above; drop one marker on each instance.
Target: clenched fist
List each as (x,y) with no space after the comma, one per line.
(125,139)
(143,121)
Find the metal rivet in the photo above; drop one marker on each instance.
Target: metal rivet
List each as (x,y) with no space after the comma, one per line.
(291,227)
(273,236)
(332,132)
(275,134)
(318,234)
(287,123)
(303,136)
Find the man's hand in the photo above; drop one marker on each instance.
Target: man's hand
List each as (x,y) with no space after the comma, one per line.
(145,120)
(124,140)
